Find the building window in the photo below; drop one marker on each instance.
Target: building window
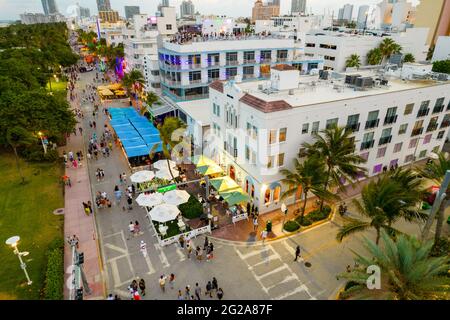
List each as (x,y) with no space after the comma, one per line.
(440,134)
(168,27)
(247,153)
(270,163)
(272,136)
(282,137)
(365,155)
(315,127)
(436,149)
(305,128)
(255,132)
(427,138)
(276,194)
(267,197)
(213,74)
(398,147)
(409,158)
(381,152)
(331,123)
(409,108)
(377,168)
(413,143)
(403,128)
(422,154)
(281,159)
(249,129)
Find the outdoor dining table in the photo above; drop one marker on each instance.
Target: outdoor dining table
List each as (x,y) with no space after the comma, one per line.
(163,229)
(181,225)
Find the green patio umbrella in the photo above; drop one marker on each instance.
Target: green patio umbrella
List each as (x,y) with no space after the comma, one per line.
(223,183)
(209,169)
(235,197)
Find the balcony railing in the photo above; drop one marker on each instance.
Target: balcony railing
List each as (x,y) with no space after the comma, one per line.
(213,63)
(248,76)
(194,65)
(213,79)
(231,62)
(266,60)
(372,123)
(246,61)
(416,132)
(432,126)
(353,127)
(230,77)
(265,75)
(367,145)
(423,113)
(170,66)
(445,124)
(390,119)
(282,59)
(385,140)
(195,81)
(171,82)
(438,109)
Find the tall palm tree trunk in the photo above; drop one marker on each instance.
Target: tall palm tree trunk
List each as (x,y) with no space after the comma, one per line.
(378,236)
(170,169)
(304,205)
(440,220)
(325,187)
(18,165)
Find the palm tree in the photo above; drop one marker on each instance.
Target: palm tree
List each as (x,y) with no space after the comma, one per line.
(409,57)
(166,131)
(133,80)
(309,176)
(353,61)
(336,148)
(436,171)
(18,137)
(151,100)
(388,47)
(407,270)
(383,202)
(374,57)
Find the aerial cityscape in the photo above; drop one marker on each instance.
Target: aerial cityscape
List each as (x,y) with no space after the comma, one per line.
(204,150)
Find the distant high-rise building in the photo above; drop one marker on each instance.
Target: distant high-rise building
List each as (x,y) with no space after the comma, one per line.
(49,7)
(363,13)
(163,3)
(84,12)
(187,9)
(103,5)
(435,15)
(110,16)
(276,2)
(346,12)
(298,6)
(264,12)
(130,11)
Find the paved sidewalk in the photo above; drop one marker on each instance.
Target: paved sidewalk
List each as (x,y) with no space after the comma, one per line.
(76,222)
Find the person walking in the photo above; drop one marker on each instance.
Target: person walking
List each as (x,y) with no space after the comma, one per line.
(137,228)
(199,253)
(206,243)
(162,283)
(117,192)
(81,130)
(264,235)
(124,177)
(181,241)
(255,223)
(142,286)
(130,203)
(220,294)
(297,253)
(210,254)
(189,249)
(208,289)
(131,229)
(143,247)
(187,293)
(198,291)
(214,283)
(171,280)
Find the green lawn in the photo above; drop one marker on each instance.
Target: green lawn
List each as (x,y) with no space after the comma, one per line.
(58,88)
(26,211)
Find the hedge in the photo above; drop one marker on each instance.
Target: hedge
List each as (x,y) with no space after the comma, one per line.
(54,276)
(314,216)
(291,226)
(191,209)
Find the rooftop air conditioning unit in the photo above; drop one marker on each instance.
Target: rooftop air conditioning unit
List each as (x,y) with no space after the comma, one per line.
(291,92)
(364,82)
(260,86)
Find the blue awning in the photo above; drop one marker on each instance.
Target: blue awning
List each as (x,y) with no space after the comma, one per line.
(137,151)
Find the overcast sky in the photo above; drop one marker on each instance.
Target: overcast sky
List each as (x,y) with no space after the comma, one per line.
(11,9)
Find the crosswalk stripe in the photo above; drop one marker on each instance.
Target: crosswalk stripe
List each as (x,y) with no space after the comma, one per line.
(290,293)
(162,255)
(151,270)
(283,267)
(265,260)
(285,280)
(289,248)
(250,254)
(115,272)
(180,253)
(116,248)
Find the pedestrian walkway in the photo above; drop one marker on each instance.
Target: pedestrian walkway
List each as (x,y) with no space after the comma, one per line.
(76,222)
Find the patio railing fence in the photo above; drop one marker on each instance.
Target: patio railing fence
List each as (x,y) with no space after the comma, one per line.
(240,217)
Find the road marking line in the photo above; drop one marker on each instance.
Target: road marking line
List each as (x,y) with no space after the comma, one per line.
(115,272)
(162,255)
(251,254)
(265,260)
(283,267)
(151,270)
(128,254)
(180,253)
(285,280)
(116,248)
(290,293)
(112,235)
(123,293)
(289,248)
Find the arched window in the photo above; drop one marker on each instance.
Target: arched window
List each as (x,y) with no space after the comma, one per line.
(252,193)
(246,186)
(267,197)
(276,194)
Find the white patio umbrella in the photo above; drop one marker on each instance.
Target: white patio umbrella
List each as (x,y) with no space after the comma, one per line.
(142,176)
(162,164)
(164,212)
(149,200)
(165,174)
(176,197)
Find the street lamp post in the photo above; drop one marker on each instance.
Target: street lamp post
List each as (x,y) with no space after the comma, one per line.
(285,211)
(13,241)
(43,144)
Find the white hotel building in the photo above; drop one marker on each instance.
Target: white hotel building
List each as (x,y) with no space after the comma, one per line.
(258,127)
(188,68)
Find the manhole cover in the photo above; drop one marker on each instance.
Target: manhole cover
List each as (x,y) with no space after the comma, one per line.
(307,264)
(58,211)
